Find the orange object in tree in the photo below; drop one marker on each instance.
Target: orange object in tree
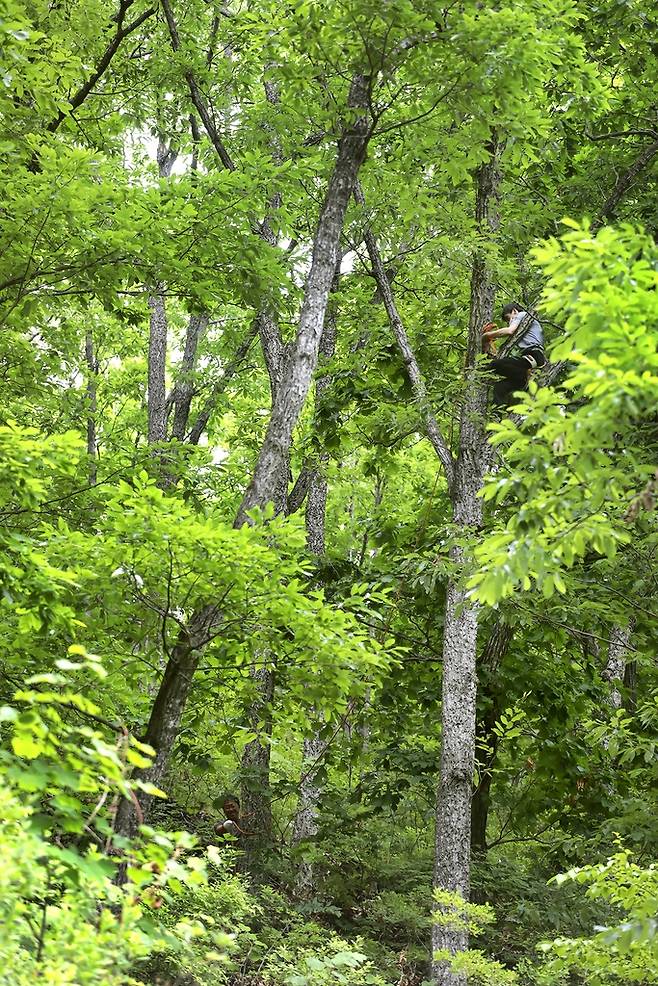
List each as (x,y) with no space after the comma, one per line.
(488,345)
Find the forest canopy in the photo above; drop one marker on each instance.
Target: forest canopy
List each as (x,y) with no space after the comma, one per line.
(328,480)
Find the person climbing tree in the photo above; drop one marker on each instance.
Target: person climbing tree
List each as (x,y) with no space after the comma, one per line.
(523,352)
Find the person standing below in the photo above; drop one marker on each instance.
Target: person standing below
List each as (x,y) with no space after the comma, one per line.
(523,353)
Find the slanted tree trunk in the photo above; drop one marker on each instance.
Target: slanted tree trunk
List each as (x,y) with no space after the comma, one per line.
(174,688)
(92,407)
(166,713)
(183,392)
(301,365)
(385,293)
(203,417)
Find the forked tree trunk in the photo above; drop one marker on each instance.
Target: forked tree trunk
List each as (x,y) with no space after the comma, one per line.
(453,819)
(464,477)
(174,688)
(301,365)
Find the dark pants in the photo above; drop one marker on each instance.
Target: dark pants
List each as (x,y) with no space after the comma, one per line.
(513,371)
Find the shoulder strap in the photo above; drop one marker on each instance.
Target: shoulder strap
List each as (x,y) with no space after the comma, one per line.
(521,330)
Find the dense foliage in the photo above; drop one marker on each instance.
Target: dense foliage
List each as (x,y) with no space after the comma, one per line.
(257,509)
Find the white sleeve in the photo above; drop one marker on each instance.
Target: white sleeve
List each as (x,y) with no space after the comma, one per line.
(516,320)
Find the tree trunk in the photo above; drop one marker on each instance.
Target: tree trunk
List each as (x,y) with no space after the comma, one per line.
(492,654)
(184,388)
(157,398)
(301,365)
(465,477)
(166,714)
(157,354)
(453,819)
(316,504)
(630,684)
(305,826)
(204,415)
(255,767)
(92,407)
(481,801)
(174,688)
(615,668)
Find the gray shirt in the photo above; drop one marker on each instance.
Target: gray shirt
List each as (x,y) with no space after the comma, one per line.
(533,336)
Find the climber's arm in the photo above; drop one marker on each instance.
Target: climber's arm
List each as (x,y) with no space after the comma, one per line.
(495,333)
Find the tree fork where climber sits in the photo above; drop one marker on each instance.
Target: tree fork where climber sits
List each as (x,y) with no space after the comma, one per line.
(523,353)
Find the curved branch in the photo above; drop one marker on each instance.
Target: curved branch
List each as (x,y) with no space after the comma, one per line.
(623,183)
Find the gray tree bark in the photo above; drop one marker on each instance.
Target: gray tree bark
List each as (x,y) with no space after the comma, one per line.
(92,407)
(157,357)
(453,819)
(174,688)
(255,767)
(305,826)
(201,421)
(316,503)
(183,392)
(615,668)
(465,476)
(158,330)
(301,365)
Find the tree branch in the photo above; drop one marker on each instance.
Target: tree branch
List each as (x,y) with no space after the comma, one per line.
(195,93)
(106,58)
(413,370)
(624,182)
(622,133)
(203,417)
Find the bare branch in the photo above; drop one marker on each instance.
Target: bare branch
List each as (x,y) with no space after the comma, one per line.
(624,183)
(622,133)
(411,363)
(195,93)
(203,417)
